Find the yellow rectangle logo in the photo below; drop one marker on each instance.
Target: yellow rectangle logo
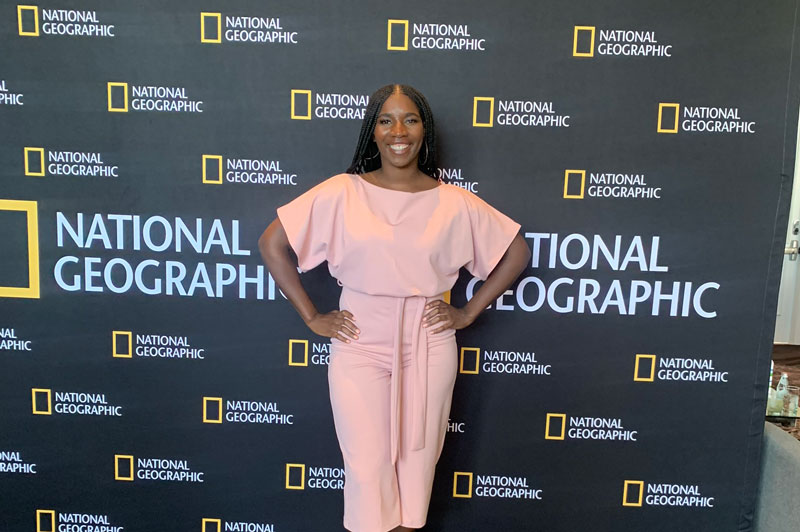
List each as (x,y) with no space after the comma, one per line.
(216,169)
(588,52)
(297,486)
(482,99)
(40,406)
(637,368)
(34,32)
(578,174)
(461,494)
(461,365)
(389,41)
(626,493)
(120,463)
(207,36)
(45,521)
(559,435)
(213,414)
(211,525)
(30,208)
(37,168)
(295,94)
(293,347)
(676,107)
(127,338)
(112,85)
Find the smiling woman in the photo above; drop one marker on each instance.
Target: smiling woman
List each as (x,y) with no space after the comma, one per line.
(395,238)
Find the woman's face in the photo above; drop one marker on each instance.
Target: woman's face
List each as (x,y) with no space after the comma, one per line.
(399,133)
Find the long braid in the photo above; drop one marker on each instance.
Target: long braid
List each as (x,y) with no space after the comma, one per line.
(366,158)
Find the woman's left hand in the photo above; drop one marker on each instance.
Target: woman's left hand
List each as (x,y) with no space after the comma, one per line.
(442,316)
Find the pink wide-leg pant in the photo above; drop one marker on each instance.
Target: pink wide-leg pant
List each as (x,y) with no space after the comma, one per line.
(390,392)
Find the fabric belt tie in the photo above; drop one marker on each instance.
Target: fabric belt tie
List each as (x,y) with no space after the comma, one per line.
(419,377)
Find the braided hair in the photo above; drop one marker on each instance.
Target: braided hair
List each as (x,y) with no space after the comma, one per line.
(367,158)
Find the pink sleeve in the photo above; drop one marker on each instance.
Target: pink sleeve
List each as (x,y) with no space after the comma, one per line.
(492,233)
(311,222)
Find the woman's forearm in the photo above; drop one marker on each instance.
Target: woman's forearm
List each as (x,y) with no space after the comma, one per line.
(514,261)
(276,253)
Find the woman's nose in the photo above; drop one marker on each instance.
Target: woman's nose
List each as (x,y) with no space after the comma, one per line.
(398,128)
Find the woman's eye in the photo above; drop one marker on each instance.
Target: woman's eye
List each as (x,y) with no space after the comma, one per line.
(384,121)
(412,121)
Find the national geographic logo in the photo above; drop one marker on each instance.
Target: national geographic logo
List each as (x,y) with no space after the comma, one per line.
(300,477)
(244,171)
(9,98)
(127,468)
(65,163)
(633,43)
(153,346)
(674,117)
(244,29)
(486,110)
(20,218)
(639,493)
(326,105)
(12,462)
(299,353)
(44,402)
(649,368)
(51,520)
(61,22)
(217,524)
(431,36)
(9,341)
(454,177)
(610,185)
(215,410)
(493,487)
(563,426)
(150,98)
(473,360)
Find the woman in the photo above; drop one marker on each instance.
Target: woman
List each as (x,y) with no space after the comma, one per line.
(395,238)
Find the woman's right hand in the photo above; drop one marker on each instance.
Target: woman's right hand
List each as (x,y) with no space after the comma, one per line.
(337,324)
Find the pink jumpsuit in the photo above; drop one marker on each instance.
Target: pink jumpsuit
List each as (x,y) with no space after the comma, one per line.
(392,251)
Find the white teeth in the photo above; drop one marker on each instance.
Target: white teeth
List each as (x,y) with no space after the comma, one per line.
(398,147)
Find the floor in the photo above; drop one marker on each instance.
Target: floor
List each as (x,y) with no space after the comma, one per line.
(787,360)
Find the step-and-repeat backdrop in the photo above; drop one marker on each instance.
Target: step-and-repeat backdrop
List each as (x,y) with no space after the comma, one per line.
(153,377)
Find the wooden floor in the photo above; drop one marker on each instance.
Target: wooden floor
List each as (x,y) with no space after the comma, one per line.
(787,360)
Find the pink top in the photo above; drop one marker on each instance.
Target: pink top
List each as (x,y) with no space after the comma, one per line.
(388,242)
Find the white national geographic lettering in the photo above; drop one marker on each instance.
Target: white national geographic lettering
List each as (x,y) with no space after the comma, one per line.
(166,469)
(258,412)
(636,43)
(598,428)
(154,276)
(340,106)
(585,295)
(454,177)
(427,36)
(74,23)
(166,346)
(163,99)
(257,171)
(243,526)
(330,478)
(513,362)
(12,462)
(529,114)
(458,427)
(715,120)
(78,522)
(689,370)
(82,164)
(685,495)
(505,487)
(621,186)
(320,353)
(258,30)
(9,98)
(84,404)
(10,342)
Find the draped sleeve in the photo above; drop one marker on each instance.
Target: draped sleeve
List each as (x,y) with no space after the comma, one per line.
(313,223)
(491,232)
